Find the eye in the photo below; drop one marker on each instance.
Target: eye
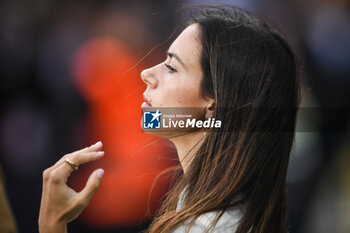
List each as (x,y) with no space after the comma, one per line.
(170,68)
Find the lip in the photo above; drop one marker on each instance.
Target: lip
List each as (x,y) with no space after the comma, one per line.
(146,103)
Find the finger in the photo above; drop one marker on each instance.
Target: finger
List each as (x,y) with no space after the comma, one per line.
(64,170)
(93,148)
(92,185)
(86,157)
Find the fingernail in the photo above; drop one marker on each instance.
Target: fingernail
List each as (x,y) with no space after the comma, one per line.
(99,143)
(101,153)
(99,173)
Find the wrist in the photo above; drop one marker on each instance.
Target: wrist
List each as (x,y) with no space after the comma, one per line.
(53,227)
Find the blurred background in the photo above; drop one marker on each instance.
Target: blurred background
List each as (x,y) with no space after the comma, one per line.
(70,76)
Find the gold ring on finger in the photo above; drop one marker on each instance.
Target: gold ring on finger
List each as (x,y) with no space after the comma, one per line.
(73,165)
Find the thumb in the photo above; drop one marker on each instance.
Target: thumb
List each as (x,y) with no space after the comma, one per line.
(92,185)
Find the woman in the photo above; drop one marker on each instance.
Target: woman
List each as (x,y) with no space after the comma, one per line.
(237,69)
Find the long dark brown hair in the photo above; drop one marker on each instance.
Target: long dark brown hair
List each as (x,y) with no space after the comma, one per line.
(247,66)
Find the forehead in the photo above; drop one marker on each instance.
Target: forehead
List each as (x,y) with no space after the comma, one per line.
(188,45)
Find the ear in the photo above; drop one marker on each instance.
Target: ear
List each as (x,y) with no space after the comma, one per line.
(209,109)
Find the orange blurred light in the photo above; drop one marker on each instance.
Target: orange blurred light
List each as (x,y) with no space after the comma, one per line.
(132,160)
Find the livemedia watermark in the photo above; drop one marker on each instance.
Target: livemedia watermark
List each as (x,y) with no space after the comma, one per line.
(310,119)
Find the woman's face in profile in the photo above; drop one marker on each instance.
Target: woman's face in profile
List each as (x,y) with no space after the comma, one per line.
(176,81)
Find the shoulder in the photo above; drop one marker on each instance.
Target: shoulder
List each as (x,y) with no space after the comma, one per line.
(228,222)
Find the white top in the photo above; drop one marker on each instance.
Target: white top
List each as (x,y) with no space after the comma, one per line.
(228,222)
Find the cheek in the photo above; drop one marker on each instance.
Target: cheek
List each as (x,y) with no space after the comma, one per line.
(188,96)
(178,91)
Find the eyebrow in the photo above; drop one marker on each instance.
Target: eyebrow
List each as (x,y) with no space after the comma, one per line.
(170,54)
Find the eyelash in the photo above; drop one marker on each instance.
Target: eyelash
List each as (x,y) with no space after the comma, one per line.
(170,68)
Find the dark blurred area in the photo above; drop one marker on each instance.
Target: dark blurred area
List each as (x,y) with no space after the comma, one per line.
(58,66)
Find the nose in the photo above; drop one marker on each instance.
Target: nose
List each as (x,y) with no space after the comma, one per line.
(148,77)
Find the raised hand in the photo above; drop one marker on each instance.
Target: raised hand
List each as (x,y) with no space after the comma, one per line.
(59,203)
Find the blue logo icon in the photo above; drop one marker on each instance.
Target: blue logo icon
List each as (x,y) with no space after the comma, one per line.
(151,120)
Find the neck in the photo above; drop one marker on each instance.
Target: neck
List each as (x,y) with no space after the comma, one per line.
(187,146)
